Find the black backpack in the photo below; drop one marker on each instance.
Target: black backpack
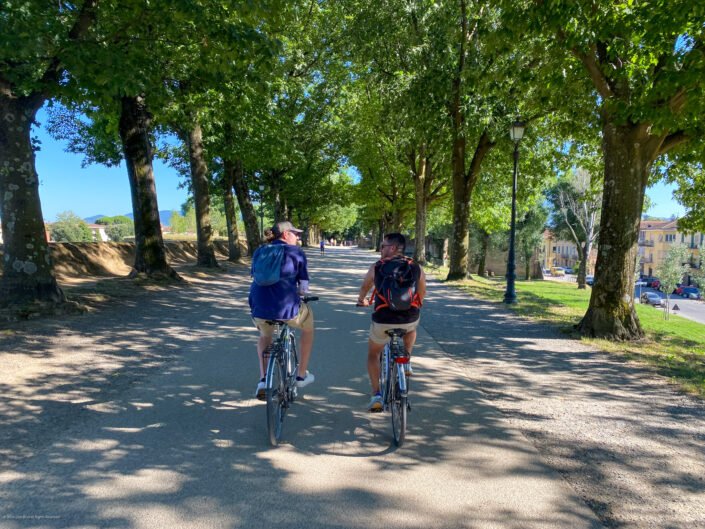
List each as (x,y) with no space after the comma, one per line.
(395,284)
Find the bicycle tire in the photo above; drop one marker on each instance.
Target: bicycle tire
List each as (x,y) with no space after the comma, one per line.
(398,404)
(276,397)
(292,368)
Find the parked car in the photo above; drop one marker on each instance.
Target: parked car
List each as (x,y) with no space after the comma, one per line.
(557,271)
(652,298)
(690,292)
(652,282)
(589,280)
(568,270)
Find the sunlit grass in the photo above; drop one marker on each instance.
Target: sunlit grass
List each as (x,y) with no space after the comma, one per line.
(675,346)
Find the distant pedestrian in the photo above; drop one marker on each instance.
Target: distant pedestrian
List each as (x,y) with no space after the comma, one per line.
(323,246)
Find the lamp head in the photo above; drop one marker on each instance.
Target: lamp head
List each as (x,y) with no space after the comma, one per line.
(517,131)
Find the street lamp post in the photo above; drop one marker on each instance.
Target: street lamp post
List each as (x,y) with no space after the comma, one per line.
(510,296)
(261,211)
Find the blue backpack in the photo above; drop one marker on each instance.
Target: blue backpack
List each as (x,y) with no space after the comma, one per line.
(267,264)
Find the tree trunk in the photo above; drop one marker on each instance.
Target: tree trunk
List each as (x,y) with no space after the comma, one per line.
(463,186)
(461,192)
(306,234)
(201,194)
(285,209)
(611,312)
(279,204)
(380,234)
(422,183)
(28,272)
(583,253)
(249,216)
(234,253)
(461,211)
(150,254)
(482,264)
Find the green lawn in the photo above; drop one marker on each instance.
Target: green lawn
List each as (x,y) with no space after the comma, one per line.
(675,346)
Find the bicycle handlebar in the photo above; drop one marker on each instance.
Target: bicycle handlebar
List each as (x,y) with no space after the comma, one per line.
(306,299)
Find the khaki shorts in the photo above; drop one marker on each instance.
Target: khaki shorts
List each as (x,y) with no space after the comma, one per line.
(377,330)
(303,320)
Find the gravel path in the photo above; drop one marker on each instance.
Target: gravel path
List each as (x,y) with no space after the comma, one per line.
(626,440)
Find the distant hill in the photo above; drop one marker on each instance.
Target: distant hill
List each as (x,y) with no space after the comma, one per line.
(91,220)
(164,217)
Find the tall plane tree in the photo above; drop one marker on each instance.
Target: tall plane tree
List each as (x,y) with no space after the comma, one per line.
(577,203)
(36,45)
(645,65)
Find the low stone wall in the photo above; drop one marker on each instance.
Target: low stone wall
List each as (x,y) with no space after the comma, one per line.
(81,259)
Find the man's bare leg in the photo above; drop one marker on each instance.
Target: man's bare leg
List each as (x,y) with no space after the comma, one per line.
(306,348)
(410,340)
(262,343)
(373,352)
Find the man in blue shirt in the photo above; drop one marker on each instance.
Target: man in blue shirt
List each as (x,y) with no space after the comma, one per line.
(282,301)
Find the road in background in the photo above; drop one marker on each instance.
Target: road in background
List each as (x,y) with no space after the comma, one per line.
(693,309)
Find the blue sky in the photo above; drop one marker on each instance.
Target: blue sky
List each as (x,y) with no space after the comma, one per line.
(93,190)
(66,186)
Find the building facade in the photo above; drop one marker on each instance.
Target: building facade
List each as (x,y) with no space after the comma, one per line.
(559,252)
(656,237)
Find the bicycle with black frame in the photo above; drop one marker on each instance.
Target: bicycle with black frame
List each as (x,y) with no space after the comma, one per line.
(280,381)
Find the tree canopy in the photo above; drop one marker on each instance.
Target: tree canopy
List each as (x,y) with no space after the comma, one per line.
(349,116)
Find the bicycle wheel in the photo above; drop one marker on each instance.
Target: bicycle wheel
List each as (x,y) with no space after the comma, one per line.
(399,408)
(276,396)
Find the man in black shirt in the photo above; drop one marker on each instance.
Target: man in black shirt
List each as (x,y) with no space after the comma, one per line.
(385,316)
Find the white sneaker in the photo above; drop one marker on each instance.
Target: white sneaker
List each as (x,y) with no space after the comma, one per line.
(260,391)
(305,381)
(376,405)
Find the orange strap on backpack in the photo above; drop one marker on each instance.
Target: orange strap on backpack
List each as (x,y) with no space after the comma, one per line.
(416,302)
